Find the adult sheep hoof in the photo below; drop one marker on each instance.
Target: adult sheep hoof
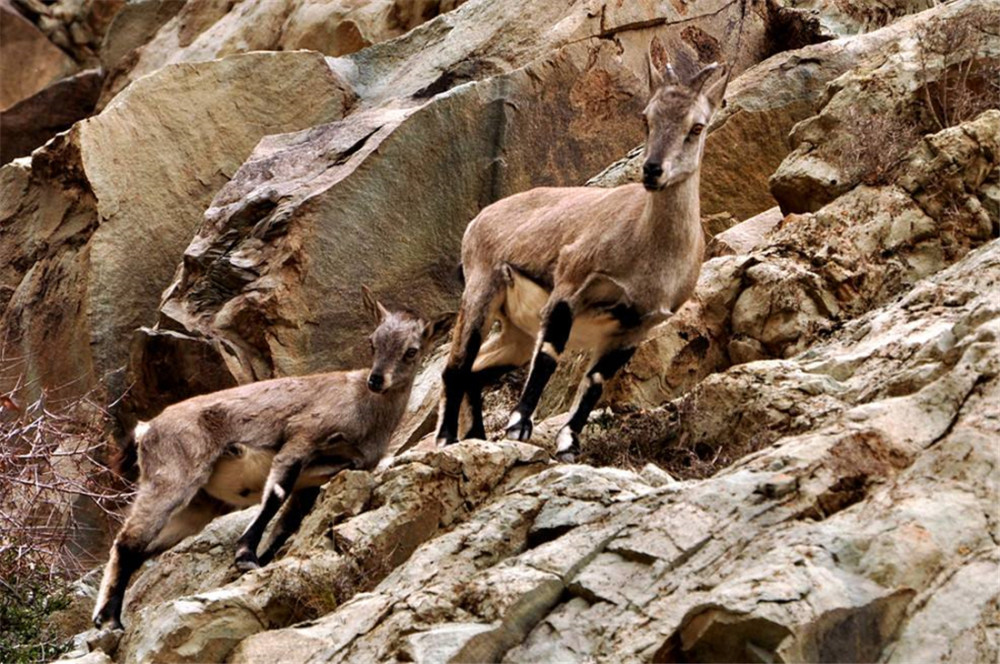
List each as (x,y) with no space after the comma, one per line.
(246,560)
(567,445)
(519,428)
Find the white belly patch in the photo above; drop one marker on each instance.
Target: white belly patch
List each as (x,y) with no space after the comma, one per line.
(239,480)
(525,300)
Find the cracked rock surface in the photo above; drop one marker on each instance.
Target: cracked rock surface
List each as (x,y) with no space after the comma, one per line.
(859,538)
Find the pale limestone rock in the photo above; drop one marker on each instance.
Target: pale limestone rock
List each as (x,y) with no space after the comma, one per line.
(97,224)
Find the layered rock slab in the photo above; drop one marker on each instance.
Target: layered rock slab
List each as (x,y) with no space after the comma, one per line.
(94,227)
(190,606)
(156,33)
(31,122)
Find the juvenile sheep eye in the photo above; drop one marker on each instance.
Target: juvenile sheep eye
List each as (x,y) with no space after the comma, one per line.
(697,129)
(411,353)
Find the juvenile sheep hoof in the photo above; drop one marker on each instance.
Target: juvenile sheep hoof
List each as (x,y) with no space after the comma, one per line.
(519,428)
(104,623)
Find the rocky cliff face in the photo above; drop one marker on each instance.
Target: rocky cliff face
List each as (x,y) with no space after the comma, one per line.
(798,466)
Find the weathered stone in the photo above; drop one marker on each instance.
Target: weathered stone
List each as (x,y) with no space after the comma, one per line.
(31,122)
(874,115)
(77,232)
(135,25)
(442,643)
(744,237)
(849,17)
(155,33)
(28,61)
(75,26)
(96,657)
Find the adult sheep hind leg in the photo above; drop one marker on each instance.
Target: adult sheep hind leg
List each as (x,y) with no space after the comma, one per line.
(557,324)
(479,302)
(501,354)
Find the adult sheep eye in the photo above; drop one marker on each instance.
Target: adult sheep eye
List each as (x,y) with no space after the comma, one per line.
(411,353)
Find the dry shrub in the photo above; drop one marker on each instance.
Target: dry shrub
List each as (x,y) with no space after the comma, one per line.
(969,81)
(873,15)
(58,496)
(878,145)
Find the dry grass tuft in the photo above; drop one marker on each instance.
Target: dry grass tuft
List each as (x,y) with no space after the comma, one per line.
(631,440)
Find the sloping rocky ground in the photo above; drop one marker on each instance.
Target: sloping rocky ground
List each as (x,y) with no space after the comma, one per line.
(799,466)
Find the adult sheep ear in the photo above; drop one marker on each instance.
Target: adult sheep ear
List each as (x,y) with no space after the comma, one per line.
(373,306)
(698,80)
(435,329)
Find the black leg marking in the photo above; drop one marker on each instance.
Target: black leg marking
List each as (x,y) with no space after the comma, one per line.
(298,507)
(554,338)
(478,381)
(246,547)
(558,325)
(455,379)
(627,315)
(130,558)
(568,438)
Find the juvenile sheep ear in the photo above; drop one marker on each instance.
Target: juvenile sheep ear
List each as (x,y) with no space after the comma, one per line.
(437,327)
(373,306)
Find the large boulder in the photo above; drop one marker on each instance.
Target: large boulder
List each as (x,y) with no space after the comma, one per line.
(269,286)
(97,221)
(154,33)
